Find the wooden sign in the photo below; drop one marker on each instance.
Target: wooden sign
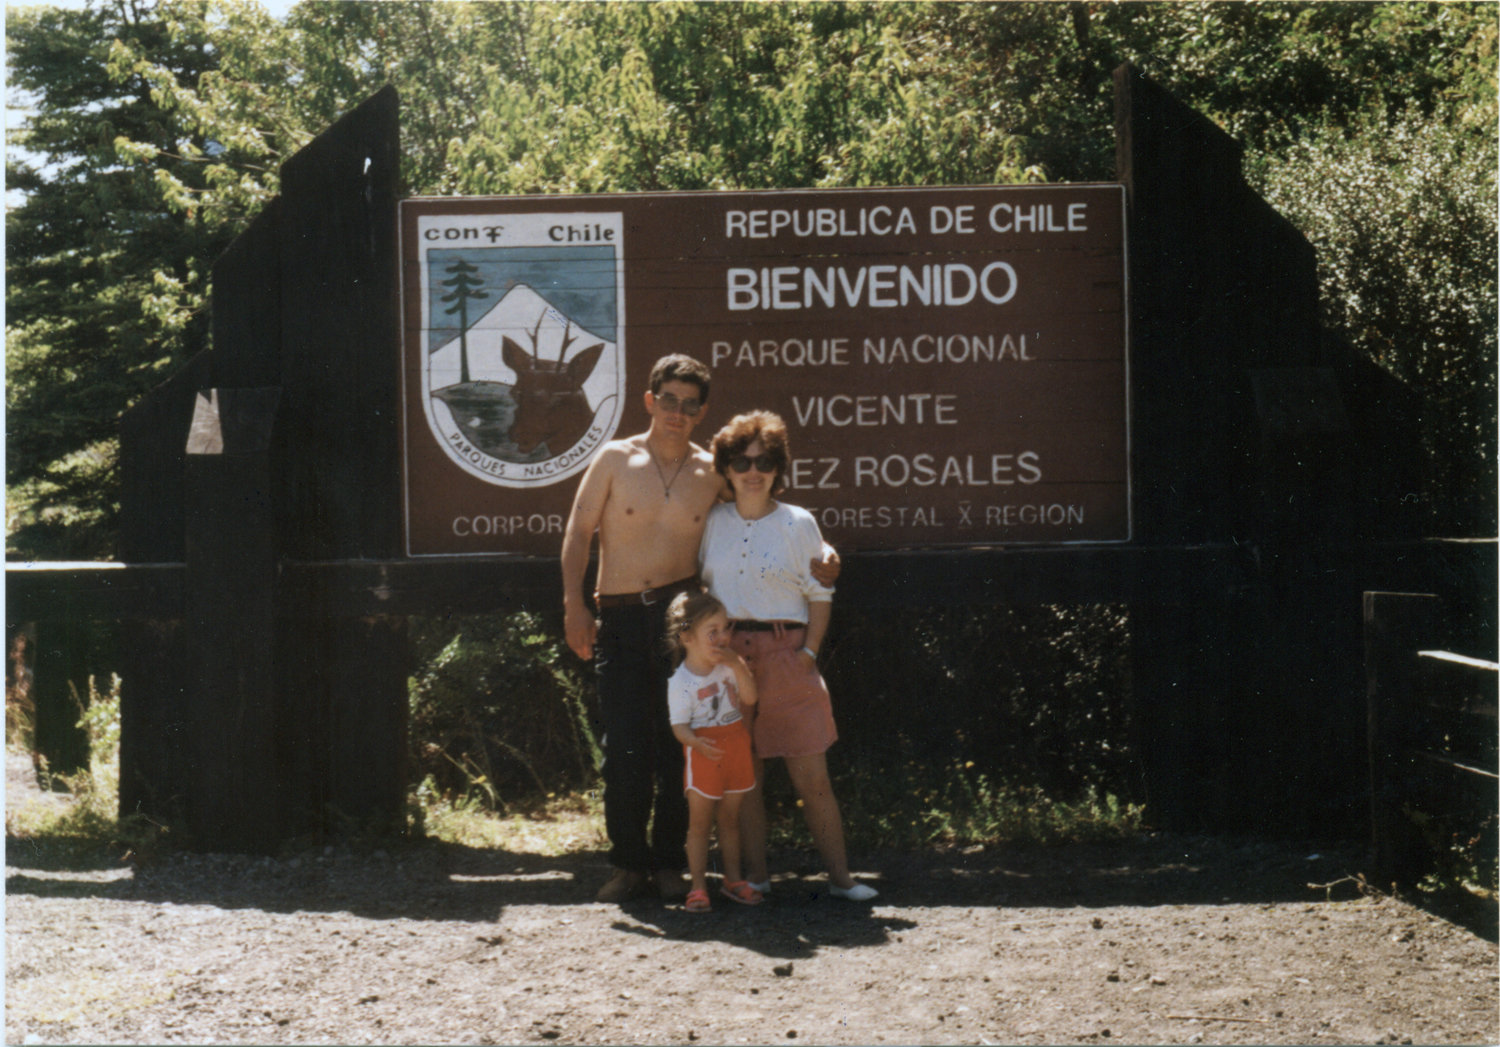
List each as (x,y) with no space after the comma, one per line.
(950,362)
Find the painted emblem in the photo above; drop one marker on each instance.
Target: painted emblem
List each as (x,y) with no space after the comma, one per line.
(523,364)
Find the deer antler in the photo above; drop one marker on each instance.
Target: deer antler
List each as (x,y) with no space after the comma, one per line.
(568,339)
(536,334)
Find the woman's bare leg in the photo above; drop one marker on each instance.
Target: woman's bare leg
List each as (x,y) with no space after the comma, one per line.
(753,828)
(821,810)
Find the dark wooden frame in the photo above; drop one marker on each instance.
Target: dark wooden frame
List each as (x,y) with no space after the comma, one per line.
(263,614)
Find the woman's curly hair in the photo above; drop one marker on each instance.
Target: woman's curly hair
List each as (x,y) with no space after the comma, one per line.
(743,430)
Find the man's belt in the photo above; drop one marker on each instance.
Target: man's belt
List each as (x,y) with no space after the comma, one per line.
(605,601)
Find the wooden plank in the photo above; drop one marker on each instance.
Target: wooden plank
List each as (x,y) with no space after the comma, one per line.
(1396,625)
(59,683)
(484,585)
(230,612)
(96,591)
(1449,761)
(155,712)
(340,336)
(153,435)
(1460,659)
(341,717)
(247,307)
(367,776)
(488,585)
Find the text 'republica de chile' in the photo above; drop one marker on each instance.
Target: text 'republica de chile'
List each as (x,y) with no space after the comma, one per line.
(885,286)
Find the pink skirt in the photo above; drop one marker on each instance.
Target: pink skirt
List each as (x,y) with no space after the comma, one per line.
(792,715)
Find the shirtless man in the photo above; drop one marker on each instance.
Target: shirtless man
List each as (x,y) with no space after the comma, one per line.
(648,496)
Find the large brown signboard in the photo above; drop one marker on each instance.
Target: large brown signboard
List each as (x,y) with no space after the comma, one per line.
(950,362)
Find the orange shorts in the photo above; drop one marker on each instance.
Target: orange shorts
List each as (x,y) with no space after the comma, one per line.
(731,773)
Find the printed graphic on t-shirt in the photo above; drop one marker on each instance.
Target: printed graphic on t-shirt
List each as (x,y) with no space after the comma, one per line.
(717,704)
(704,701)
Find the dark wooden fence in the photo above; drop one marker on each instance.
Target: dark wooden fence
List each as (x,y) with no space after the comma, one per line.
(262,636)
(1435,782)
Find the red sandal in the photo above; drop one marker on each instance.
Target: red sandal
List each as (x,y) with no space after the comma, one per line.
(697,901)
(741,891)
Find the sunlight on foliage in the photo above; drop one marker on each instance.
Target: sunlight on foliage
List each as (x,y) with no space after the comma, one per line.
(1403,215)
(553,824)
(83,806)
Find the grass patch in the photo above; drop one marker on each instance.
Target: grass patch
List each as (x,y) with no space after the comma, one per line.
(76,816)
(910,805)
(82,807)
(1469,860)
(903,803)
(550,824)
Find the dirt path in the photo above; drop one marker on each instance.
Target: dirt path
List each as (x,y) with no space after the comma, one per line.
(1159,941)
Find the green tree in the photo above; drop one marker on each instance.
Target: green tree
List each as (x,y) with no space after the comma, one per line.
(162,127)
(92,261)
(1403,215)
(159,130)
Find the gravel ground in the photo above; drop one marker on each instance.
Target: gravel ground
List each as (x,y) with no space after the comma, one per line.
(1161,940)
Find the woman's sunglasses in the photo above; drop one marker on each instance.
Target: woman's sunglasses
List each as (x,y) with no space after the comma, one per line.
(763,463)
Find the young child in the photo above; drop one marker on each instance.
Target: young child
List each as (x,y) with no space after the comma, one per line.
(704,699)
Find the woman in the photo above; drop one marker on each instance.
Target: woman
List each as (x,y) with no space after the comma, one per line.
(755,558)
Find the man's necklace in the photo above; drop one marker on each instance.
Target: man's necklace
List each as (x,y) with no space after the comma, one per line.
(666,485)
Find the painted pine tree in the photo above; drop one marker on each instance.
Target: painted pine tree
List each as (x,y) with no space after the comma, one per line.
(464,285)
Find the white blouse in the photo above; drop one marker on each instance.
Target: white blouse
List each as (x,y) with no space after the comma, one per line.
(759,568)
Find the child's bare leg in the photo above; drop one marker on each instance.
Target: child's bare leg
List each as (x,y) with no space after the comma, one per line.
(809,776)
(753,827)
(700,824)
(729,835)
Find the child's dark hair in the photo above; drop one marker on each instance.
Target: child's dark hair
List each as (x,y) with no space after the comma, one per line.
(683,615)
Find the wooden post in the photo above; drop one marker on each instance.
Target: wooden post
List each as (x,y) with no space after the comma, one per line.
(59,684)
(1397,625)
(269,714)
(1241,433)
(230,615)
(346,704)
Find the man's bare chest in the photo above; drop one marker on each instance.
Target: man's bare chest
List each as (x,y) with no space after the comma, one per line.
(674,501)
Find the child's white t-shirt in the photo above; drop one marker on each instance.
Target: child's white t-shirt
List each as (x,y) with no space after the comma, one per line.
(703,701)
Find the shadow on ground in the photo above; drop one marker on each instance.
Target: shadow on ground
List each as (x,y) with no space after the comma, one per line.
(436,881)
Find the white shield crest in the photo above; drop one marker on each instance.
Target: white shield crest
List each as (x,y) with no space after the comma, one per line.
(522,330)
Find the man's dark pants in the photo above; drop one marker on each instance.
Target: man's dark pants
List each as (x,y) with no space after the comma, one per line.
(642,758)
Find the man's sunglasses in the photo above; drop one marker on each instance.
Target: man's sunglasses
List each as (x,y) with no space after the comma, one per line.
(671,404)
(763,463)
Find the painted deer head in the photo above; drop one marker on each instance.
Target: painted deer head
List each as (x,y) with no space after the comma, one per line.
(550,405)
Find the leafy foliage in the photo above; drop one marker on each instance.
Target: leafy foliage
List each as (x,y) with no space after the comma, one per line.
(497,710)
(1032,696)
(92,261)
(1403,215)
(160,129)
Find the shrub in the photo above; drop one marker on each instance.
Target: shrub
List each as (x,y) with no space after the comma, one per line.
(1403,214)
(498,713)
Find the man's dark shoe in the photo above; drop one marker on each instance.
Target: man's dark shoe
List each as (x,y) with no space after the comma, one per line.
(624,885)
(671,884)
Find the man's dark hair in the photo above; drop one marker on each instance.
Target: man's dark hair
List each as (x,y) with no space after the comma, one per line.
(680,368)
